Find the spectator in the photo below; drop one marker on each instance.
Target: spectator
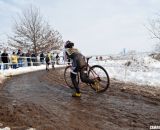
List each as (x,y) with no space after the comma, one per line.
(20,61)
(33,58)
(57,59)
(28,55)
(96,57)
(23,56)
(14,60)
(53,59)
(48,60)
(5,59)
(100,58)
(42,56)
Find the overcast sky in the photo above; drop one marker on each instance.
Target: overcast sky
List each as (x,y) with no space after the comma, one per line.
(95,26)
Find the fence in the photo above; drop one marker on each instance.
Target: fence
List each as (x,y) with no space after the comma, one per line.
(28,61)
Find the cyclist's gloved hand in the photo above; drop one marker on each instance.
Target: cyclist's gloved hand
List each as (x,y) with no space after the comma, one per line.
(74,70)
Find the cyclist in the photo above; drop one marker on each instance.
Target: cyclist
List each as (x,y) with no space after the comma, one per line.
(78,65)
(48,60)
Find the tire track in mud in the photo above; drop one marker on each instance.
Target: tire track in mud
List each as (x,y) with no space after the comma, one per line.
(41,101)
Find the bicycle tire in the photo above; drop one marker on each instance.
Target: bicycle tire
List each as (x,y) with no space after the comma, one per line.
(67,77)
(104,84)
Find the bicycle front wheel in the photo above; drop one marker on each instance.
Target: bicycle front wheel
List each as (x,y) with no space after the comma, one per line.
(67,77)
(99,74)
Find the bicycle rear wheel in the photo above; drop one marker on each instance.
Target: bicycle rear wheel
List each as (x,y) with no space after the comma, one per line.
(67,77)
(99,74)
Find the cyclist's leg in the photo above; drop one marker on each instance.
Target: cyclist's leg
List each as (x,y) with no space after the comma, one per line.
(47,66)
(84,76)
(74,81)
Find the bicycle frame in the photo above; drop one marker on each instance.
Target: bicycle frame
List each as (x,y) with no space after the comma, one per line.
(88,68)
(94,74)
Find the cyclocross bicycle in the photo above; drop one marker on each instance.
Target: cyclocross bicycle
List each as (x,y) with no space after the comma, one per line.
(95,72)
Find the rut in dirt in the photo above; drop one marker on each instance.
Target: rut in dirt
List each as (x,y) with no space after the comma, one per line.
(45,102)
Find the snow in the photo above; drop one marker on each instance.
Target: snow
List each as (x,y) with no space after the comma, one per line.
(7,128)
(138,69)
(21,70)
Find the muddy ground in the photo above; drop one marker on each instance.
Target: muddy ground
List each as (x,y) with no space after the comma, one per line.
(40,100)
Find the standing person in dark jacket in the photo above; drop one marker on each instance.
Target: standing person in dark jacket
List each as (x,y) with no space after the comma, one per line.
(20,61)
(78,65)
(28,55)
(33,58)
(5,59)
(57,59)
(42,57)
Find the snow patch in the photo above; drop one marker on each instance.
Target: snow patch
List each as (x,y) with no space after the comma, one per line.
(6,128)
(138,69)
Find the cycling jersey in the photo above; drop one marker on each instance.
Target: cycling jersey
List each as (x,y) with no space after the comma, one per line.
(78,60)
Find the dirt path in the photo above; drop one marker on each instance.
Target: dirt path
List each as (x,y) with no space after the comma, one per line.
(41,101)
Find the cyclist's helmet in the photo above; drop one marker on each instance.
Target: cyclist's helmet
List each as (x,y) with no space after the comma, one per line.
(69,44)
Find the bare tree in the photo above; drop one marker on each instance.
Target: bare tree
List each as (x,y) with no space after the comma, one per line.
(32,33)
(154,29)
